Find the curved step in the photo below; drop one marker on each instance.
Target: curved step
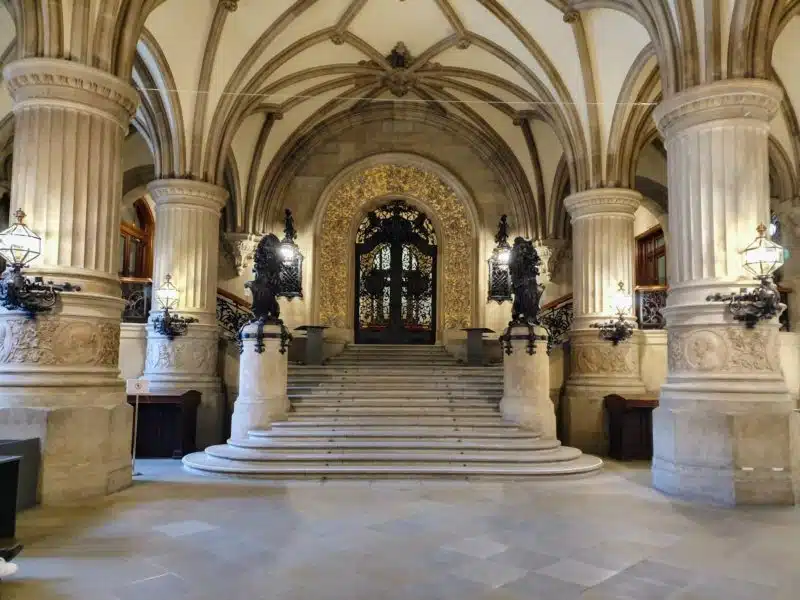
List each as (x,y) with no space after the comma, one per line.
(298,420)
(346,444)
(202,462)
(390,432)
(367,403)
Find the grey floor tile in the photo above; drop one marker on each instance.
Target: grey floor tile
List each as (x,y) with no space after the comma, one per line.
(623,586)
(574,571)
(167,586)
(489,573)
(181,528)
(535,586)
(662,573)
(478,547)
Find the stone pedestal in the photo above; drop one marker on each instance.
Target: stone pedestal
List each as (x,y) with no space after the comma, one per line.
(59,378)
(603,249)
(526,384)
(722,432)
(187,248)
(262,382)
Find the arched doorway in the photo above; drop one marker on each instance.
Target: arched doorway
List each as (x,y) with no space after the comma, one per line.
(395,277)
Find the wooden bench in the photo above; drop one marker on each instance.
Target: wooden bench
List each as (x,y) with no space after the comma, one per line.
(167,425)
(630,426)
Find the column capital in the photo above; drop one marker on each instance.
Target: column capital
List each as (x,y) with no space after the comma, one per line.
(188,193)
(67,84)
(240,248)
(603,201)
(756,99)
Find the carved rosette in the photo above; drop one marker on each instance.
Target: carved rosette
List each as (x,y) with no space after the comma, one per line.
(724,349)
(49,341)
(594,359)
(346,204)
(184,355)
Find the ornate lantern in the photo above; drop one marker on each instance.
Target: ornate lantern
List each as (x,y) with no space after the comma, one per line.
(167,323)
(619,329)
(291,285)
(499,275)
(761,259)
(19,246)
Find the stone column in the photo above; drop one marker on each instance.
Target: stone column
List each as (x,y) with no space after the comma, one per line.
(789,217)
(262,382)
(603,250)
(59,374)
(722,430)
(526,384)
(187,248)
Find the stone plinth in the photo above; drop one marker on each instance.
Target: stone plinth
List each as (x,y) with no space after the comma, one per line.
(722,432)
(59,377)
(603,248)
(262,382)
(526,384)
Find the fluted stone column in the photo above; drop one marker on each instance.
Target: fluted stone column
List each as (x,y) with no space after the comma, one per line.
(603,250)
(187,248)
(722,430)
(59,374)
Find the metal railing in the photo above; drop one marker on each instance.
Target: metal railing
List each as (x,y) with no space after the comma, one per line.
(650,303)
(138,295)
(556,318)
(232,313)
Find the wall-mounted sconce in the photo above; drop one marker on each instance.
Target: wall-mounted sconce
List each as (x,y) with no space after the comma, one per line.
(19,246)
(618,330)
(291,261)
(499,276)
(761,259)
(167,323)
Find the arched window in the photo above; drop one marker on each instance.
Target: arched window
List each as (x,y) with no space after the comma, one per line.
(136,241)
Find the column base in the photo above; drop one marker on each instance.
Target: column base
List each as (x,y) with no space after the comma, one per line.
(598,368)
(86,450)
(727,458)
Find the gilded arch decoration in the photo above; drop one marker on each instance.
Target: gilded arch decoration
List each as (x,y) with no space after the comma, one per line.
(348,202)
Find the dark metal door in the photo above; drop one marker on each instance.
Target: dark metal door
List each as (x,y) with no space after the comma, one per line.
(395,277)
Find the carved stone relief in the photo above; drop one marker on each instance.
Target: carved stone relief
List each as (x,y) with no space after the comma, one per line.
(52,341)
(605,360)
(189,355)
(457,282)
(724,349)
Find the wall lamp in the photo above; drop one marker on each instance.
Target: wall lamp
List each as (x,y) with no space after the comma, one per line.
(291,285)
(166,323)
(20,246)
(499,275)
(761,259)
(618,330)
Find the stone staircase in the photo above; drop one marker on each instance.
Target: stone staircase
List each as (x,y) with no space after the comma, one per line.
(379,412)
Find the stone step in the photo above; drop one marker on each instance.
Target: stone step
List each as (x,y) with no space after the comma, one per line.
(395,433)
(395,470)
(388,381)
(357,384)
(560,453)
(393,421)
(345,444)
(371,403)
(399,395)
(415,412)
(420,372)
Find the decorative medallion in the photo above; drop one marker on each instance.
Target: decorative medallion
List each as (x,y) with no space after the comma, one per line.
(56,341)
(346,205)
(594,359)
(724,349)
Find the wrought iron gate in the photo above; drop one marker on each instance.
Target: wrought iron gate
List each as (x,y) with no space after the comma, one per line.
(395,277)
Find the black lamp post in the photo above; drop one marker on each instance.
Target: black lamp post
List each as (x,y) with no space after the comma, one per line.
(170,324)
(291,282)
(19,246)
(499,275)
(761,259)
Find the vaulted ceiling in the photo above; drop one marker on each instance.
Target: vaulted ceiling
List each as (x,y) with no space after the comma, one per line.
(566,86)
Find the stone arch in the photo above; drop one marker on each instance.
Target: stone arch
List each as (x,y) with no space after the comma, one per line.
(423,184)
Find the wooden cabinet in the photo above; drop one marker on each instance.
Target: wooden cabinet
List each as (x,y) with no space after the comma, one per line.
(167,425)
(630,426)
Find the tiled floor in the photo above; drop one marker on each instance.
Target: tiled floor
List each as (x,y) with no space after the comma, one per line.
(184,537)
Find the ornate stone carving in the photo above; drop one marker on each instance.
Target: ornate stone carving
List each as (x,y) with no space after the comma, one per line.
(240,249)
(58,341)
(47,79)
(190,355)
(605,360)
(187,191)
(727,349)
(457,282)
(551,252)
(229,5)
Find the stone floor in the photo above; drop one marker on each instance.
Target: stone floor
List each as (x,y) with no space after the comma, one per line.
(180,536)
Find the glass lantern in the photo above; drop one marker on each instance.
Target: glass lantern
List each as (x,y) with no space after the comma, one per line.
(763,257)
(167,295)
(19,246)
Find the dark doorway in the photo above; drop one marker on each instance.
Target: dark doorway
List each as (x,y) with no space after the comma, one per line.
(395,277)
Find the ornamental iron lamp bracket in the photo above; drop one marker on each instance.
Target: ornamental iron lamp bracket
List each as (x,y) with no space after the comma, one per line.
(19,246)
(523,268)
(291,275)
(617,330)
(761,259)
(499,277)
(265,289)
(166,323)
